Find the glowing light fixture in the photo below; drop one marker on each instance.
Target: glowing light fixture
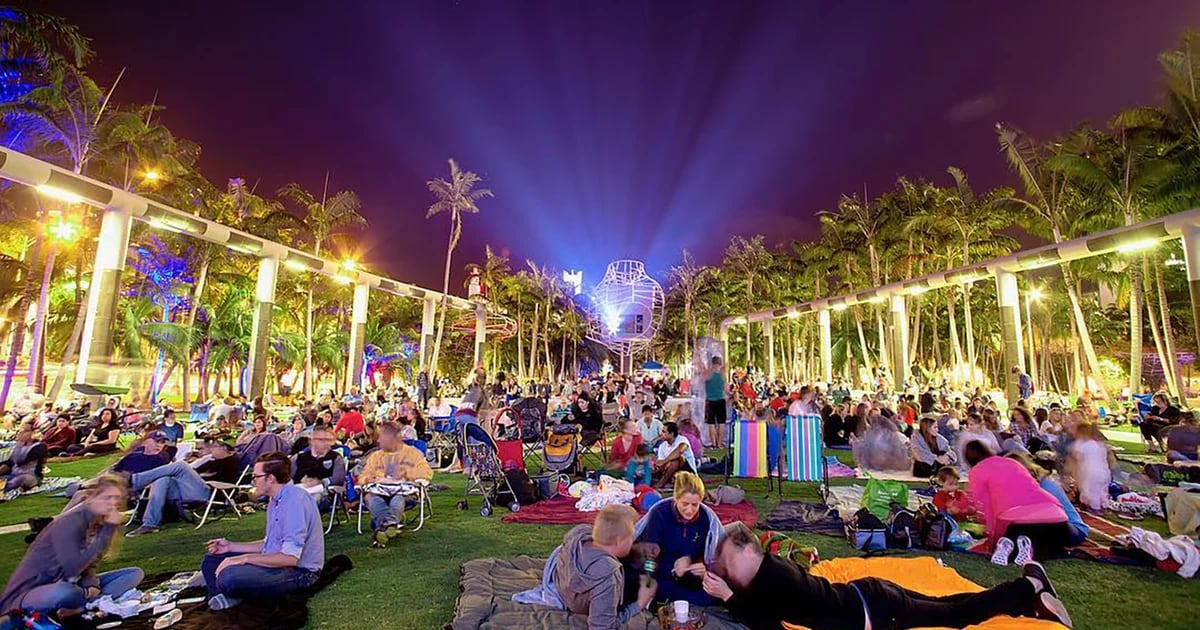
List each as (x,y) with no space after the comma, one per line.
(349,264)
(1036,294)
(878,299)
(794,314)
(1137,246)
(240,249)
(917,290)
(160,224)
(840,306)
(58,193)
(612,320)
(64,231)
(151,175)
(295,265)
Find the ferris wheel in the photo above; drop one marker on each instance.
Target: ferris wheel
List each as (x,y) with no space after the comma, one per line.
(627,309)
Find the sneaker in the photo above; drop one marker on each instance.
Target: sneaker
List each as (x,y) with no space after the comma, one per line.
(1004,550)
(1047,606)
(1036,571)
(222,602)
(1024,551)
(379,540)
(392,531)
(144,529)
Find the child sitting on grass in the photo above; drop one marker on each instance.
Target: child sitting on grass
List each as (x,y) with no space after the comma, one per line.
(639,469)
(950,499)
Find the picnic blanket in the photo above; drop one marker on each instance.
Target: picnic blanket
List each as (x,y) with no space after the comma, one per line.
(561,511)
(924,575)
(49,484)
(289,611)
(485,602)
(1101,533)
(798,516)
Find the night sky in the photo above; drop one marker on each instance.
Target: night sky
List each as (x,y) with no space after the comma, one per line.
(619,129)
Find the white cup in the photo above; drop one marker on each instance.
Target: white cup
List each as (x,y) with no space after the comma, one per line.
(681,611)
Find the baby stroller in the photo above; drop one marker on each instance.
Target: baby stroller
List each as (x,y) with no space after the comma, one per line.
(482,468)
(530,415)
(560,449)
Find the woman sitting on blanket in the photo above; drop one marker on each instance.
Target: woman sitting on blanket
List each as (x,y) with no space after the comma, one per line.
(686,533)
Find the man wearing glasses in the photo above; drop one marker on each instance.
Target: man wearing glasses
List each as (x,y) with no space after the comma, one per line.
(319,467)
(289,558)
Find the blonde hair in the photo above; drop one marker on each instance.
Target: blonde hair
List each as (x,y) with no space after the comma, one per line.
(687,483)
(613,523)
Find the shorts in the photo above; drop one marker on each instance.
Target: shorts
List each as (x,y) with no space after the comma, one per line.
(714,412)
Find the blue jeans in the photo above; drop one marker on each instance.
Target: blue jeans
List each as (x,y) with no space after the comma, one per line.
(63,594)
(250,581)
(177,482)
(385,511)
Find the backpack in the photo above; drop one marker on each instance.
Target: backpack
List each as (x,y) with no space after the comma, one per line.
(936,527)
(903,530)
(547,485)
(866,532)
(523,490)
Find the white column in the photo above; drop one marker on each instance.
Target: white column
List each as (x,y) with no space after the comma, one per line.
(480,334)
(769,331)
(725,345)
(1009,300)
(825,337)
(899,310)
(260,336)
(95,346)
(1191,259)
(428,310)
(358,332)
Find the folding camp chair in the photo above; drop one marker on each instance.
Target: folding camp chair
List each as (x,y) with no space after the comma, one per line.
(804,448)
(225,495)
(199,413)
(747,441)
(417,491)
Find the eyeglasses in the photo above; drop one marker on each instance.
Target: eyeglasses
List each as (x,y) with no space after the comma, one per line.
(261,476)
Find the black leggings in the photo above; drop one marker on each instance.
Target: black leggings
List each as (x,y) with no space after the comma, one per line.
(1151,427)
(1049,539)
(893,607)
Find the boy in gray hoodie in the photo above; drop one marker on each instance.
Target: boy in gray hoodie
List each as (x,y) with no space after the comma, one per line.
(587,573)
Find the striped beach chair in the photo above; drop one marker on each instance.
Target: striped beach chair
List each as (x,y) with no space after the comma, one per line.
(805,459)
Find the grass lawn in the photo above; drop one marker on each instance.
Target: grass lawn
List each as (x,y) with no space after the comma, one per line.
(414,583)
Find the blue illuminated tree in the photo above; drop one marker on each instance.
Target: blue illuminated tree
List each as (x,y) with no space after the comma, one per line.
(165,282)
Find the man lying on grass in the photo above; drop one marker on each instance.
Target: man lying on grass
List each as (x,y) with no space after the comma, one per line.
(765,590)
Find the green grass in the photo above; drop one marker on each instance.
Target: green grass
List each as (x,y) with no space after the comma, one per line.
(419,572)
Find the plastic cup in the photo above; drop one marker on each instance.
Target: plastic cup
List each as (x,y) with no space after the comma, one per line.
(681,611)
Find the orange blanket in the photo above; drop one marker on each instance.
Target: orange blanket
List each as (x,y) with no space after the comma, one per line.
(923,575)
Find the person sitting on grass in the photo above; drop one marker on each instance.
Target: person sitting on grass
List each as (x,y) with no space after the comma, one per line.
(1079,529)
(640,469)
(289,558)
(1014,507)
(58,573)
(930,451)
(674,454)
(102,439)
(763,591)
(319,467)
(950,499)
(1183,440)
(23,468)
(60,436)
(686,533)
(624,446)
(393,463)
(587,574)
(650,427)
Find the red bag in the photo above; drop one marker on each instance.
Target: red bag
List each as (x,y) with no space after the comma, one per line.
(512,454)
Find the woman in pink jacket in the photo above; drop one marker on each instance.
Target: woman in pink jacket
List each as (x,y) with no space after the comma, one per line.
(1014,507)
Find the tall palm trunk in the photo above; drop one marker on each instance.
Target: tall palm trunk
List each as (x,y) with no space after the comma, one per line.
(308,331)
(18,339)
(969,334)
(1168,334)
(1135,325)
(937,342)
(1085,339)
(533,349)
(455,225)
(562,359)
(546,345)
(862,340)
(37,350)
(1159,347)
(955,348)
(914,342)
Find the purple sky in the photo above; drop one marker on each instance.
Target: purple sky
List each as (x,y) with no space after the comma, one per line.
(618,129)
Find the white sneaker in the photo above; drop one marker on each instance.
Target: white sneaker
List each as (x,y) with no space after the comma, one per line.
(222,602)
(1024,551)
(1004,550)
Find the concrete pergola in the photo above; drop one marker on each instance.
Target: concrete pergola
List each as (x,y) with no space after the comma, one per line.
(120,208)
(1137,237)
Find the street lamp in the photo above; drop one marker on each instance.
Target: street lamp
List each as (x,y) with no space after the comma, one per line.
(151,175)
(349,264)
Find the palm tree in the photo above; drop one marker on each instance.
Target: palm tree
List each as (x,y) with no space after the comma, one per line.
(321,219)
(1050,201)
(748,258)
(870,219)
(689,279)
(454,197)
(1121,172)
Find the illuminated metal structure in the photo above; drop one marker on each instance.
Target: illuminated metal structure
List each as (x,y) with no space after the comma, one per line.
(627,309)
(120,207)
(1127,239)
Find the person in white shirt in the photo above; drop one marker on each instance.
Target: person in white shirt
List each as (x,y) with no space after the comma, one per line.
(650,427)
(674,453)
(438,409)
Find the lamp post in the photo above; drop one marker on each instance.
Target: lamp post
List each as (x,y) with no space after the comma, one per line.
(1033,294)
(59,233)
